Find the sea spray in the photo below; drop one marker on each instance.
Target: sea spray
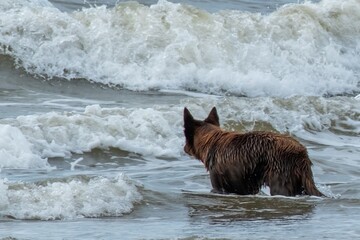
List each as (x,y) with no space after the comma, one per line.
(158,131)
(299,49)
(69,198)
(17,152)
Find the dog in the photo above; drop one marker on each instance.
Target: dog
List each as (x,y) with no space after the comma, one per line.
(241,163)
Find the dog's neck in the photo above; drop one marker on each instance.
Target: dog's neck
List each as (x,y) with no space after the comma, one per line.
(205,140)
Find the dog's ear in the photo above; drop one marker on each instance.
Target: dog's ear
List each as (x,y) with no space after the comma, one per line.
(213,117)
(189,125)
(188,118)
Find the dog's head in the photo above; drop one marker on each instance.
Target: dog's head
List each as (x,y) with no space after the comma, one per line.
(193,127)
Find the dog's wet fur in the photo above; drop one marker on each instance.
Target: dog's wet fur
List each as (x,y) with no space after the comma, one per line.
(242,163)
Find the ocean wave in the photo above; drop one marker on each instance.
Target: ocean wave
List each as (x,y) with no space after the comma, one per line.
(158,131)
(16,151)
(68,198)
(300,49)
(149,132)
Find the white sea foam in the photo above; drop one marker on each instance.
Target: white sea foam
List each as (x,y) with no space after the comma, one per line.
(68,198)
(16,151)
(300,49)
(158,131)
(144,131)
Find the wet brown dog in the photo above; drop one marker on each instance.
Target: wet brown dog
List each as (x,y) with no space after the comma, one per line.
(243,162)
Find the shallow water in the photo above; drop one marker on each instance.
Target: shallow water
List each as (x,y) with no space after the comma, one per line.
(91,102)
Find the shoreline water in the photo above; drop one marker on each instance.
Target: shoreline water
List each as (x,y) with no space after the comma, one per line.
(80,158)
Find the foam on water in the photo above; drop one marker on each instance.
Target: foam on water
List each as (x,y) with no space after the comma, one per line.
(300,49)
(152,132)
(158,131)
(69,198)
(16,151)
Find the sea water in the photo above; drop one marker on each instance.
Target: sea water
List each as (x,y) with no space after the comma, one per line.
(92,95)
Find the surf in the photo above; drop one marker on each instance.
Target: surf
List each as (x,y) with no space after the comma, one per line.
(306,49)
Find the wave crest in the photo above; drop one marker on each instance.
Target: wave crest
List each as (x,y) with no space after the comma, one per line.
(300,49)
(70,198)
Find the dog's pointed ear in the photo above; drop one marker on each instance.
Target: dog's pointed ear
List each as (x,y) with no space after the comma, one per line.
(213,117)
(187,116)
(189,126)
(189,122)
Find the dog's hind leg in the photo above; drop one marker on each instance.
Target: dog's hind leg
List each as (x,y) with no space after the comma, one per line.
(278,186)
(217,183)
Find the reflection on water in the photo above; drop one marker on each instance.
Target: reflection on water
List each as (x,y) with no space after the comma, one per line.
(231,208)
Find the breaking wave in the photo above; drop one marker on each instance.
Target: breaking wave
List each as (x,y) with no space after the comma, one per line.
(299,49)
(68,198)
(28,141)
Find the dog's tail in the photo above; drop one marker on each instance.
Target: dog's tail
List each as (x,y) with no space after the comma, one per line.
(309,184)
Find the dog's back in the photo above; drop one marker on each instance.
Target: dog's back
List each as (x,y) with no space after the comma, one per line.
(242,163)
